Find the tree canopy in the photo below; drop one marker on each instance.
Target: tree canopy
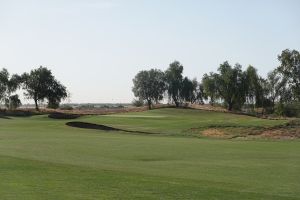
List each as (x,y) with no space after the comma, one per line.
(174,81)
(149,85)
(40,84)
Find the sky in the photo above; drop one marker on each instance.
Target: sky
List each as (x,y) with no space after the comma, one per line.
(96,47)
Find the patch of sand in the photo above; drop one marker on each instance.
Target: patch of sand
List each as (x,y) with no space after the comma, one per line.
(282,133)
(212,132)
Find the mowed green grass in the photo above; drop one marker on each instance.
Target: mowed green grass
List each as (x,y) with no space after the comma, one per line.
(170,121)
(42,158)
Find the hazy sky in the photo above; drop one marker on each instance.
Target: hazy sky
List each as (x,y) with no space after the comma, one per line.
(96,47)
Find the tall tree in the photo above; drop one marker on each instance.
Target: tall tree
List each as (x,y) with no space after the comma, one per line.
(149,86)
(187,90)
(56,93)
(40,84)
(8,85)
(4,79)
(209,83)
(13,102)
(276,88)
(191,91)
(174,81)
(231,85)
(253,87)
(290,69)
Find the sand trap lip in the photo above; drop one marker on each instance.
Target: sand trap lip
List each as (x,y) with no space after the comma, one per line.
(87,125)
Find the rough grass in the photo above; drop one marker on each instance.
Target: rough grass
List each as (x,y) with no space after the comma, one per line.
(42,158)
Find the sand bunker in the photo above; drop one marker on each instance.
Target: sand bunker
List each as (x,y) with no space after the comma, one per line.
(101,127)
(91,126)
(212,132)
(63,116)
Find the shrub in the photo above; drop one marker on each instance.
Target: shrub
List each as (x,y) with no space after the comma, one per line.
(288,110)
(66,107)
(137,102)
(292,109)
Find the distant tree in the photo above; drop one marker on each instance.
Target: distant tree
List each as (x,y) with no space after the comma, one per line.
(174,82)
(8,85)
(209,84)
(290,70)
(275,87)
(253,87)
(4,79)
(187,90)
(231,85)
(13,102)
(200,94)
(56,93)
(191,91)
(149,86)
(40,84)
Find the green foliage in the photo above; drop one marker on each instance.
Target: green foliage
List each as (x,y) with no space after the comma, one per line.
(4,79)
(40,84)
(13,102)
(8,85)
(230,84)
(149,86)
(291,109)
(174,82)
(210,87)
(137,102)
(55,94)
(254,93)
(290,70)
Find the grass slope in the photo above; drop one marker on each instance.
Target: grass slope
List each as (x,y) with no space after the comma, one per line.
(41,158)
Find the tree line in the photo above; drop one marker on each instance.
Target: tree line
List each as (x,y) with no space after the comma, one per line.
(230,86)
(39,84)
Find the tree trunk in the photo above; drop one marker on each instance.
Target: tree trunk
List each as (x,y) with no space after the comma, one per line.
(176,104)
(230,105)
(36,104)
(149,103)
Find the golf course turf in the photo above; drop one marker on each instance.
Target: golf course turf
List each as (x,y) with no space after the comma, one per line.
(43,158)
